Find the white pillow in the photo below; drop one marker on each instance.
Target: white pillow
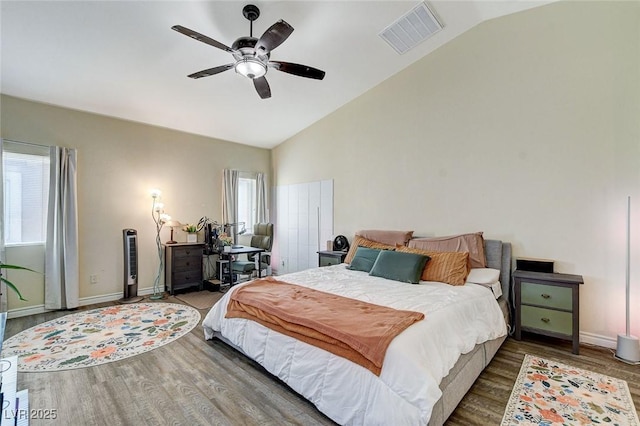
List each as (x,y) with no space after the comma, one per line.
(483,276)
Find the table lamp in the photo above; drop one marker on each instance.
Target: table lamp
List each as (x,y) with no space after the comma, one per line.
(172,224)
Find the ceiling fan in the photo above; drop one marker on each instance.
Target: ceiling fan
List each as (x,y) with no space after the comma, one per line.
(252,54)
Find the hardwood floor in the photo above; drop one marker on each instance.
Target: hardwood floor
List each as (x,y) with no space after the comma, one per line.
(196,382)
(485,402)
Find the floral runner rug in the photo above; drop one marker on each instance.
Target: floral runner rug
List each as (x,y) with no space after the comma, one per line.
(548,393)
(98,336)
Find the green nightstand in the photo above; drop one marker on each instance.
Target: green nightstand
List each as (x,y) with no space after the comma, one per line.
(548,304)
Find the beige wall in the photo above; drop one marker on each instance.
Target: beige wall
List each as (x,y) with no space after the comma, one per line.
(119,162)
(525,127)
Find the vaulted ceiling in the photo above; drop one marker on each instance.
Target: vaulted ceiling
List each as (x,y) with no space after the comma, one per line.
(121,59)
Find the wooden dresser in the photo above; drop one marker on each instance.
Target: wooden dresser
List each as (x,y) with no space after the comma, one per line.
(183,266)
(548,304)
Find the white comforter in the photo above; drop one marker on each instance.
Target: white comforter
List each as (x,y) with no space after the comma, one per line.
(456,319)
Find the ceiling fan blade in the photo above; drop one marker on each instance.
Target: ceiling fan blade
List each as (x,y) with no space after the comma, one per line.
(262,87)
(273,37)
(297,69)
(210,71)
(201,37)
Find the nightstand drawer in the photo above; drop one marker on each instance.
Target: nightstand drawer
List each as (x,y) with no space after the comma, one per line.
(328,261)
(547,319)
(328,258)
(546,295)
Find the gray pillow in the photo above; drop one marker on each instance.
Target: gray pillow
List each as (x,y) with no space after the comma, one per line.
(364,259)
(399,266)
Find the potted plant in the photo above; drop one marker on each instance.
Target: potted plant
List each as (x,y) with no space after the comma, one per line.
(191,230)
(9,284)
(225,241)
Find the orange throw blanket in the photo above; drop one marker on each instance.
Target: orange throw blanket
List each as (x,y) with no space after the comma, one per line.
(358,331)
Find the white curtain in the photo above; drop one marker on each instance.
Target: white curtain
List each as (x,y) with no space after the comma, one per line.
(61,261)
(3,286)
(230,201)
(261,199)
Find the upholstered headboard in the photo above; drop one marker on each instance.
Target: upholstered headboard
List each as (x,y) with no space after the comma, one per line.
(498,255)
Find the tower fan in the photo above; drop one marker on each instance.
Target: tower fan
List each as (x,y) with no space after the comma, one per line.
(130,245)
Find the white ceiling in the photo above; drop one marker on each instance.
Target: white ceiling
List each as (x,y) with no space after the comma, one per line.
(121,59)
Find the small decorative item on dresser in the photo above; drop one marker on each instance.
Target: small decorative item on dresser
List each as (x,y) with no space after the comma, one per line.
(192,236)
(548,304)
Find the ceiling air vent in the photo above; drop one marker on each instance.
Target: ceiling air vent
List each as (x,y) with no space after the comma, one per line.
(411,29)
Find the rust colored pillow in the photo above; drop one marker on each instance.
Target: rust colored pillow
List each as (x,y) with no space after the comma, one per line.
(359,241)
(446,267)
(386,237)
(472,243)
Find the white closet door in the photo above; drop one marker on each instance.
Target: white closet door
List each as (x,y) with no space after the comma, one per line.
(292,230)
(314,224)
(304,224)
(326,213)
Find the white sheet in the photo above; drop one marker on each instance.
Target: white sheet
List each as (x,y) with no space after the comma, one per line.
(456,319)
(495,288)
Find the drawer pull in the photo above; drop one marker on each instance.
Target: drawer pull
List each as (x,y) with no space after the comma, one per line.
(545,296)
(546,320)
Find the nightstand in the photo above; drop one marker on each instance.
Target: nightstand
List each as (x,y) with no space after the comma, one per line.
(328,258)
(548,304)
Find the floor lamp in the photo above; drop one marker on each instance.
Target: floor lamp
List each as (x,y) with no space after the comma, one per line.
(628,347)
(159,218)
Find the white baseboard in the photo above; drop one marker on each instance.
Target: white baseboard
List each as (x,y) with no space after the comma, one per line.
(598,340)
(585,337)
(24,312)
(84,301)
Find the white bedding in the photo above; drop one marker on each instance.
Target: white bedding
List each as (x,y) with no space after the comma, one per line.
(456,319)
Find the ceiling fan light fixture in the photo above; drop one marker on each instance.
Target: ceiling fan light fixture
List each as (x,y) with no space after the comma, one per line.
(252,55)
(251,68)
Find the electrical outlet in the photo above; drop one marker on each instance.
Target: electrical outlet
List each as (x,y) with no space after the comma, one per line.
(93,279)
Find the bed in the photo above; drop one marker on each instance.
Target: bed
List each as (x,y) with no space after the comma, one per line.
(428,368)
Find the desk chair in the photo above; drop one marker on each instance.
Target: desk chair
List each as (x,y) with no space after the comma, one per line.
(262,238)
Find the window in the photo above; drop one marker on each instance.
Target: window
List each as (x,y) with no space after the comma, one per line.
(247,201)
(26,191)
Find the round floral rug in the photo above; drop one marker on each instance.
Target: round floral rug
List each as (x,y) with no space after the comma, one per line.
(98,336)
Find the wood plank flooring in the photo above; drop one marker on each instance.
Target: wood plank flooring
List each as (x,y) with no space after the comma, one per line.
(196,382)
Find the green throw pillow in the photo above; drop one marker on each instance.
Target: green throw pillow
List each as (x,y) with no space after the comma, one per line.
(364,259)
(399,266)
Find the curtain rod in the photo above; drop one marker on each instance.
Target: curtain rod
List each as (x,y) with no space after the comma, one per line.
(26,143)
(32,144)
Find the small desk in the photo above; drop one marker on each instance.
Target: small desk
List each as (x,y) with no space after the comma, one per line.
(236,250)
